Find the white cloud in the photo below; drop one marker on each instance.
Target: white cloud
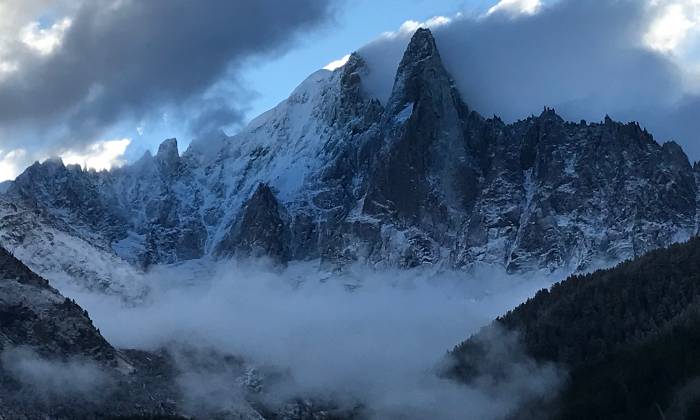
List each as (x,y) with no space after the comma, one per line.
(516,7)
(337,63)
(410,26)
(7,68)
(360,335)
(44,40)
(11,163)
(100,156)
(674,23)
(53,378)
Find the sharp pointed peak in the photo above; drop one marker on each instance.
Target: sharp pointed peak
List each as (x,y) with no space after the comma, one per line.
(420,54)
(421,46)
(423,36)
(421,69)
(263,193)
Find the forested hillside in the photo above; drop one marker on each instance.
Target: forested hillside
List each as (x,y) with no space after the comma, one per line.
(628,338)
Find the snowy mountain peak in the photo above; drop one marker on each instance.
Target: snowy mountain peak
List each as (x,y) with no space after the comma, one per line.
(331,174)
(261,230)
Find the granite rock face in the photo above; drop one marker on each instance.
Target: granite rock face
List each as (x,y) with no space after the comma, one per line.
(261,230)
(332,173)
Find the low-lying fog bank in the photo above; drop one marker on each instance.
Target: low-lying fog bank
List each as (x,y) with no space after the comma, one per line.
(361,337)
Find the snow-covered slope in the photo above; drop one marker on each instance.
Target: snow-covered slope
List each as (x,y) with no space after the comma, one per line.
(332,174)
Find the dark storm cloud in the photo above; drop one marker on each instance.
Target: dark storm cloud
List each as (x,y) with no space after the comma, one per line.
(584,58)
(127,59)
(213,114)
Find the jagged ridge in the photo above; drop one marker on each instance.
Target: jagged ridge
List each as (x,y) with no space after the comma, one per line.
(422,180)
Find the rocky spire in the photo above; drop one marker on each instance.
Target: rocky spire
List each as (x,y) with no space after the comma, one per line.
(423,148)
(422,48)
(168,157)
(420,74)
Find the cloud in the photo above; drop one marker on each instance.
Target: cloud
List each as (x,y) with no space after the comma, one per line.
(102,155)
(19,17)
(74,68)
(44,41)
(515,7)
(11,163)
(337,63)
(675,21)
(582,58)
(410,26)
(377,338)
(48,379)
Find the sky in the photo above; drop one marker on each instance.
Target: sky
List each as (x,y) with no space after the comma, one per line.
(99,82)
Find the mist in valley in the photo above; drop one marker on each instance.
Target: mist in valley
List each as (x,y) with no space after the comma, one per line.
(361,338)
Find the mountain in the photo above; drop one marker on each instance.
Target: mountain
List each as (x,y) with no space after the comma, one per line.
(335,175)
(627,337)
(54,363)
(32,313)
